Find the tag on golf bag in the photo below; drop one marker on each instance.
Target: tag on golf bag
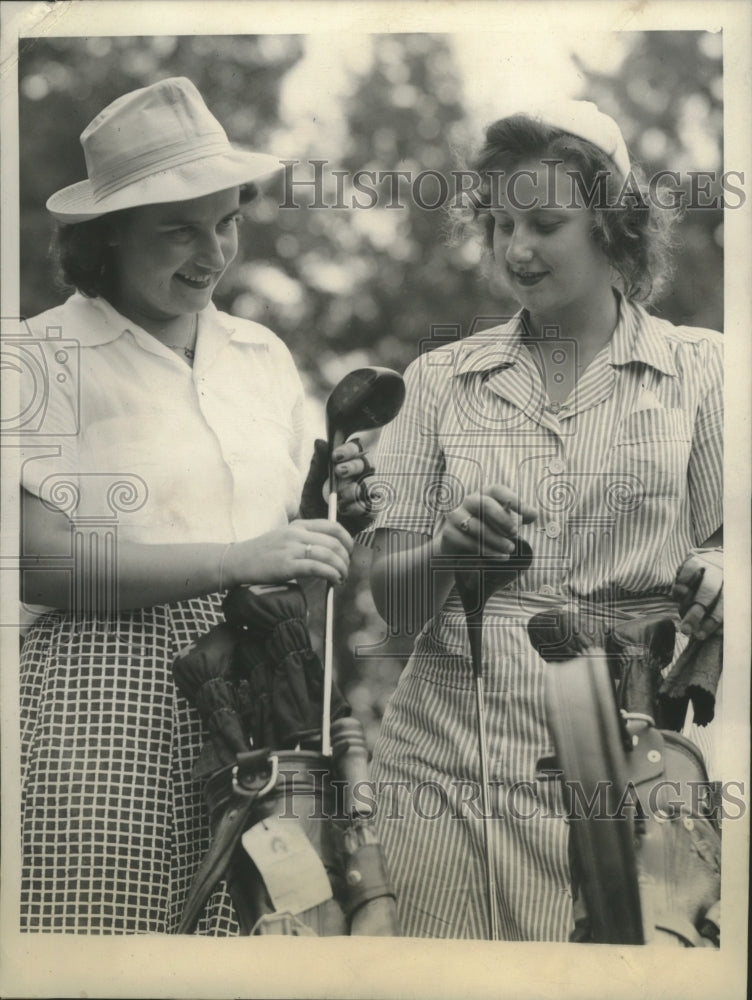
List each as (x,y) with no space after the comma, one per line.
(293,873)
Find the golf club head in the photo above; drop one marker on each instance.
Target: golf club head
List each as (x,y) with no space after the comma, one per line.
(478,578)
(364,399)
(555,635)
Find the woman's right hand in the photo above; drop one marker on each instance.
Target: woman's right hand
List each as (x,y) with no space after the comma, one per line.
(303,548)
(485,523)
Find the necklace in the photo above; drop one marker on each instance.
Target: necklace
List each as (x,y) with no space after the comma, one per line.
(189,352)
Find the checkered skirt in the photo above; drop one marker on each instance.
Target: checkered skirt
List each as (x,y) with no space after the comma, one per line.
(113,825)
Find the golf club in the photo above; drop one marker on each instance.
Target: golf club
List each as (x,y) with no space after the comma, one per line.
(476,581)
(363,400)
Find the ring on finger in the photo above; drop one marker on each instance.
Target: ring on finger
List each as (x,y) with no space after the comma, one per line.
(465,525)
(718,622)
(706,608)
(307,552)
(368,469)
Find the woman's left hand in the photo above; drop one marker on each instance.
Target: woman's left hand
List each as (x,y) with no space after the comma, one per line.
(351,470)
(698,590)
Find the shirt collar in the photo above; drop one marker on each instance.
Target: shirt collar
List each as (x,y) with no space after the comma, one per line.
(94,321)
(498,347)
(97,322)
(638,337)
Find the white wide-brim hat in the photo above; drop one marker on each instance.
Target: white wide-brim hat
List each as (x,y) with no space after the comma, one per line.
(157,144)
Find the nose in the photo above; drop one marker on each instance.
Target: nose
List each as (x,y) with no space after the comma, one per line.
(216,251)
(520,246)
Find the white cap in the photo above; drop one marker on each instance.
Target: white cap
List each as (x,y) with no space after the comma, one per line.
(583,119)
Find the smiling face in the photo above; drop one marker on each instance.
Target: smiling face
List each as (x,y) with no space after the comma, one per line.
(543,244)
(169,257)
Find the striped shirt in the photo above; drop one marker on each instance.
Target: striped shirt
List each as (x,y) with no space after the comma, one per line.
(626,476)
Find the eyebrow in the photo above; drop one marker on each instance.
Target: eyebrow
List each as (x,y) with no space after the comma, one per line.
(178,220)
(536,210)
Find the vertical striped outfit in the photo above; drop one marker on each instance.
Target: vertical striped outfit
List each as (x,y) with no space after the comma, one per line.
(626,476)
(132,438)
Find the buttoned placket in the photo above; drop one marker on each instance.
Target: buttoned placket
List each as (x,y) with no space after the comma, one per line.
(520,383)
(211,340)
(211,337)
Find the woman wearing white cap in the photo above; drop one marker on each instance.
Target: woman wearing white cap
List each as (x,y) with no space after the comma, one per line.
(584,426)
(167,464)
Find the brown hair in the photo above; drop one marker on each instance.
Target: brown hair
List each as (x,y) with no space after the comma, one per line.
(634,234)
(83,258)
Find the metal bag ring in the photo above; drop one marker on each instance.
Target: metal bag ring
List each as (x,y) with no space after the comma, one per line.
(253,794)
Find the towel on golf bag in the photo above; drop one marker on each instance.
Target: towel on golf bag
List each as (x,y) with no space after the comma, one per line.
(694,677)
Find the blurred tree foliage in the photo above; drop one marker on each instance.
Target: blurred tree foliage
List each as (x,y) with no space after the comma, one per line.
(350,286)
(65,82)
(668,99)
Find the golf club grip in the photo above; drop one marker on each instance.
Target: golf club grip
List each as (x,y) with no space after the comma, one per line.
(474,620)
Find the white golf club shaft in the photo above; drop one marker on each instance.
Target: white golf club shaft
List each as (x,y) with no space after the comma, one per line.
(474,621)
(485,805)
(326,718)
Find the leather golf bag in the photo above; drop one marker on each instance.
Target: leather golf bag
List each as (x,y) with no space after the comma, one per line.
(291,833)
(645,842)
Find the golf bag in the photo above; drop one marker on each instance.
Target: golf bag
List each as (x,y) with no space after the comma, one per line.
(645,841)
(291,834)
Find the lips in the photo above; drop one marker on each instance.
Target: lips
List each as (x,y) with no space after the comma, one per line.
(528,278)
(194,282)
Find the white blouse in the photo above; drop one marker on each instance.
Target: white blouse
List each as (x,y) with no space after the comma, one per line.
(123,431)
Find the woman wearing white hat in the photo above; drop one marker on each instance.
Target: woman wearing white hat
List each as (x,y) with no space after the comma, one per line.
(587,428)
(167,465)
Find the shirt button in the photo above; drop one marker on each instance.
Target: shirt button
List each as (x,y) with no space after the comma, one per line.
(556,466)
(553,407)
(553,529)
(546,590)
